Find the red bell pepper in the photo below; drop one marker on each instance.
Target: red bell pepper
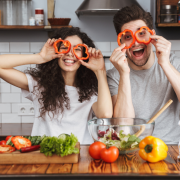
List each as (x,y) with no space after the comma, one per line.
(66,44)
(123,33)
(20,142)
(6,149)
(140,30)
(82,58)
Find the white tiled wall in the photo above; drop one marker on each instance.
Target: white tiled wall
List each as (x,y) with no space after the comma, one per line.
(10,96)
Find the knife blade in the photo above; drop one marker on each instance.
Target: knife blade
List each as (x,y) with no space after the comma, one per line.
(169,159)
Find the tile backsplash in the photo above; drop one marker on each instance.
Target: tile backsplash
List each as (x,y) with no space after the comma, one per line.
(11,97)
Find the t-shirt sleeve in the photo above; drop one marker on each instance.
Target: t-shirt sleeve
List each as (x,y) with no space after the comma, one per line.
(175,61)
(113,81)
(31,84)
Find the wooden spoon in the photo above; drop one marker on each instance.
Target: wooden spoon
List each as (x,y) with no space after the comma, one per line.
(153,118)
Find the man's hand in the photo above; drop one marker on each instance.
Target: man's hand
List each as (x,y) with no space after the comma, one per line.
(48,52)
(119,60)
(163,48)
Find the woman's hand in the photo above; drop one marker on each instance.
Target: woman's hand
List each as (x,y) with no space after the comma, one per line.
(96,60)
(48,52)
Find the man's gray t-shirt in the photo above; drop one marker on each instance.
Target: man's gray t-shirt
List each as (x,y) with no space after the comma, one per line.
(150,91)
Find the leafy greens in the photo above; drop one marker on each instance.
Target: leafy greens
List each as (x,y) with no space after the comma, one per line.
(61,146)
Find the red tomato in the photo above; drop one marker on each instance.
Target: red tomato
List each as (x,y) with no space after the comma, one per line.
(109,155)
(95,149)
(8,137)
(3,142)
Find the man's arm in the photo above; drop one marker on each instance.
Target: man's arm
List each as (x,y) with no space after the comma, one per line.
(122,102)
(163,48)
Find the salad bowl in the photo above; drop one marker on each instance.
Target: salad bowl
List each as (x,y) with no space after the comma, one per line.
(124,133)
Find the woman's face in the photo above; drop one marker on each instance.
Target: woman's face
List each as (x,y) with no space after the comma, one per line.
(68,62)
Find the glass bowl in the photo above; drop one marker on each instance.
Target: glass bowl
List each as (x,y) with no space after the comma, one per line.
(124,133)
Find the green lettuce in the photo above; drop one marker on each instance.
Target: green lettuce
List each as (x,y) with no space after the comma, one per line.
(59,146)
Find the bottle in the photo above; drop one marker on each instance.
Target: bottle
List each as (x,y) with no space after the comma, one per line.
(179,12)
(39,17)
(32,21)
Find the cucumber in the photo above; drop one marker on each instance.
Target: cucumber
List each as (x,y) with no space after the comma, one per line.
(42,137)
(29,137)
(33,140)
(37,140)
(63,136)
(9,142)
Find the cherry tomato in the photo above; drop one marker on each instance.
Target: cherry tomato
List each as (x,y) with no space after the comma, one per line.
(109,155)
(95,149)
(3,142)
(7,138)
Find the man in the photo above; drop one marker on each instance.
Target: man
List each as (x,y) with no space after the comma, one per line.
(142,81)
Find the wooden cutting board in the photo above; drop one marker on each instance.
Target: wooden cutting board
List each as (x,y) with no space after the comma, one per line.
(35,157)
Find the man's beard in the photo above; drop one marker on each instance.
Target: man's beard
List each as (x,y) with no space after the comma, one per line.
(139,65)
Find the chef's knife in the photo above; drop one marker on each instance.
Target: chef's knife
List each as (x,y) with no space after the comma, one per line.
(170,160)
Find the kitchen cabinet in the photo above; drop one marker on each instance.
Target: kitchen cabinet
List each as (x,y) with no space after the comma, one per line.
(158,14)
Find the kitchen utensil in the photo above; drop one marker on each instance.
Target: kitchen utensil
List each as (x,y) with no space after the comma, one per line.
(154,117)
(170,160)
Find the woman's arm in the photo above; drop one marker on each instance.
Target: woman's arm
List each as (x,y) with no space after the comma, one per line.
(18,78)
(103,107)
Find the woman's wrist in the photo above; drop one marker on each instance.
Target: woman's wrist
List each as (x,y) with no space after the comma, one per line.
(100,73)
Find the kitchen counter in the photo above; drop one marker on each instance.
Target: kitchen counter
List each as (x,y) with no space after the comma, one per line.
(129,166)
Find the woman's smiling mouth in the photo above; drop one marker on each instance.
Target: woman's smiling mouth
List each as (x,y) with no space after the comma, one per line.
(69,62)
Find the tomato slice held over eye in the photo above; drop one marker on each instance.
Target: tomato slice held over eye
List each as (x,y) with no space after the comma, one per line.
(3,142)
(109,155)
(95,149)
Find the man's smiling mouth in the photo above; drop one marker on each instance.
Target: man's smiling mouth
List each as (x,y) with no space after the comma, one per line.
(138,52)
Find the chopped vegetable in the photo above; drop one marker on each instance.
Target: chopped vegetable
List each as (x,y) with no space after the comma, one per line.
(122,141)
(20,142)
(6,149)
(66,44)
(86,52)
(62,145)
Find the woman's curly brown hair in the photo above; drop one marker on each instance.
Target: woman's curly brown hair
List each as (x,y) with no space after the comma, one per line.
(51,84)
(131,13)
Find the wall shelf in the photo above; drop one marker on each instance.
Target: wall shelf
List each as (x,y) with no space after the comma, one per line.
(168,25)
(46,28)
(158,10)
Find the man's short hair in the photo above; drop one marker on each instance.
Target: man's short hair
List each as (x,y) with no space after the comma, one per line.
(131,13)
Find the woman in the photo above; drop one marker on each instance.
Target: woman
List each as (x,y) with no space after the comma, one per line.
(65,91)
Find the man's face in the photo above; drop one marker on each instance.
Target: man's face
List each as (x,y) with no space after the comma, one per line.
(139,53)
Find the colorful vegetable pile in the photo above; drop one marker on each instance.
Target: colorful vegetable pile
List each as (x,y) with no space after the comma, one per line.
(122,141)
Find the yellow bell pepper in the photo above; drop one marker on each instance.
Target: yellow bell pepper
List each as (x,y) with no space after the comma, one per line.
(152,149)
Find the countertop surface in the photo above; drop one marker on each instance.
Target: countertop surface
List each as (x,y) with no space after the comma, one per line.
(129,166)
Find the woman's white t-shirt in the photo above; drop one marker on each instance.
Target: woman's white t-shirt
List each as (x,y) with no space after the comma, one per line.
(73,120)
